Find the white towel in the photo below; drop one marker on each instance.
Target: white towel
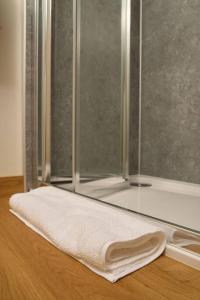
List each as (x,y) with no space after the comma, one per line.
(178,236)
(107,240)
(174,235)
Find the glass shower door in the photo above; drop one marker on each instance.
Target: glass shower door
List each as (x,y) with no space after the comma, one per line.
(61,93)
(54,99)
(101,99)
(83,94)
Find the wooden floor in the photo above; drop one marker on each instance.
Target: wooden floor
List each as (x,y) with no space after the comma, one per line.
(31,268)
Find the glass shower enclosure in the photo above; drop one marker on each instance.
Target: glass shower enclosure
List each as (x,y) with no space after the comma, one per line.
(115,104)
(83,93)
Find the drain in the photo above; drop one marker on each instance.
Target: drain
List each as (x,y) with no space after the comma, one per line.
(140,184)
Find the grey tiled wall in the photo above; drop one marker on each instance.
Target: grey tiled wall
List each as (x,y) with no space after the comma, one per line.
(170,116)
(61,109)
(30,104)
(171,89)
(100,87)
(134,87)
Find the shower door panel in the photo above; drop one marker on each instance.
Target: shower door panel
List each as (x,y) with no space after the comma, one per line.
(100,102)
(83,93)
(55,56)
(61,92)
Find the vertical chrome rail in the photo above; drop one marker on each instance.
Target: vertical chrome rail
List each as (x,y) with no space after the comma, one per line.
(125,75)
(140,89)
(46,90)
(35,97)
(76,94)
(24,96)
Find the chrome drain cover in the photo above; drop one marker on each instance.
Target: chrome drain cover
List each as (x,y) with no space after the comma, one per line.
(140,184)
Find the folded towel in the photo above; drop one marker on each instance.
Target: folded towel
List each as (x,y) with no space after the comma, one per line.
(175,235)
(178,236)
(107,240)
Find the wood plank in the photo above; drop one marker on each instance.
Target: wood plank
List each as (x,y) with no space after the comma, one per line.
(12,180)
(11,185)
(31,268)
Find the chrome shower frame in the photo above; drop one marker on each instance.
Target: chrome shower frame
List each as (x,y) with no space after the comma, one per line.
(30,161)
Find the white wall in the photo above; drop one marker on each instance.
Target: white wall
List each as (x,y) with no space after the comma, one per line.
(11,19)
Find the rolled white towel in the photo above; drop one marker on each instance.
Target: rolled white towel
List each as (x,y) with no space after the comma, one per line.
(107,240)
(179,236)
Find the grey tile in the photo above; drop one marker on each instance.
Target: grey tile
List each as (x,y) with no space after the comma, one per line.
(30,105)
(134,87)
(100,87)
(61,107)
(171,89)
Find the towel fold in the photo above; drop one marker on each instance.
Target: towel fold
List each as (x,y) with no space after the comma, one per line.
(179,236)
(107,240)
